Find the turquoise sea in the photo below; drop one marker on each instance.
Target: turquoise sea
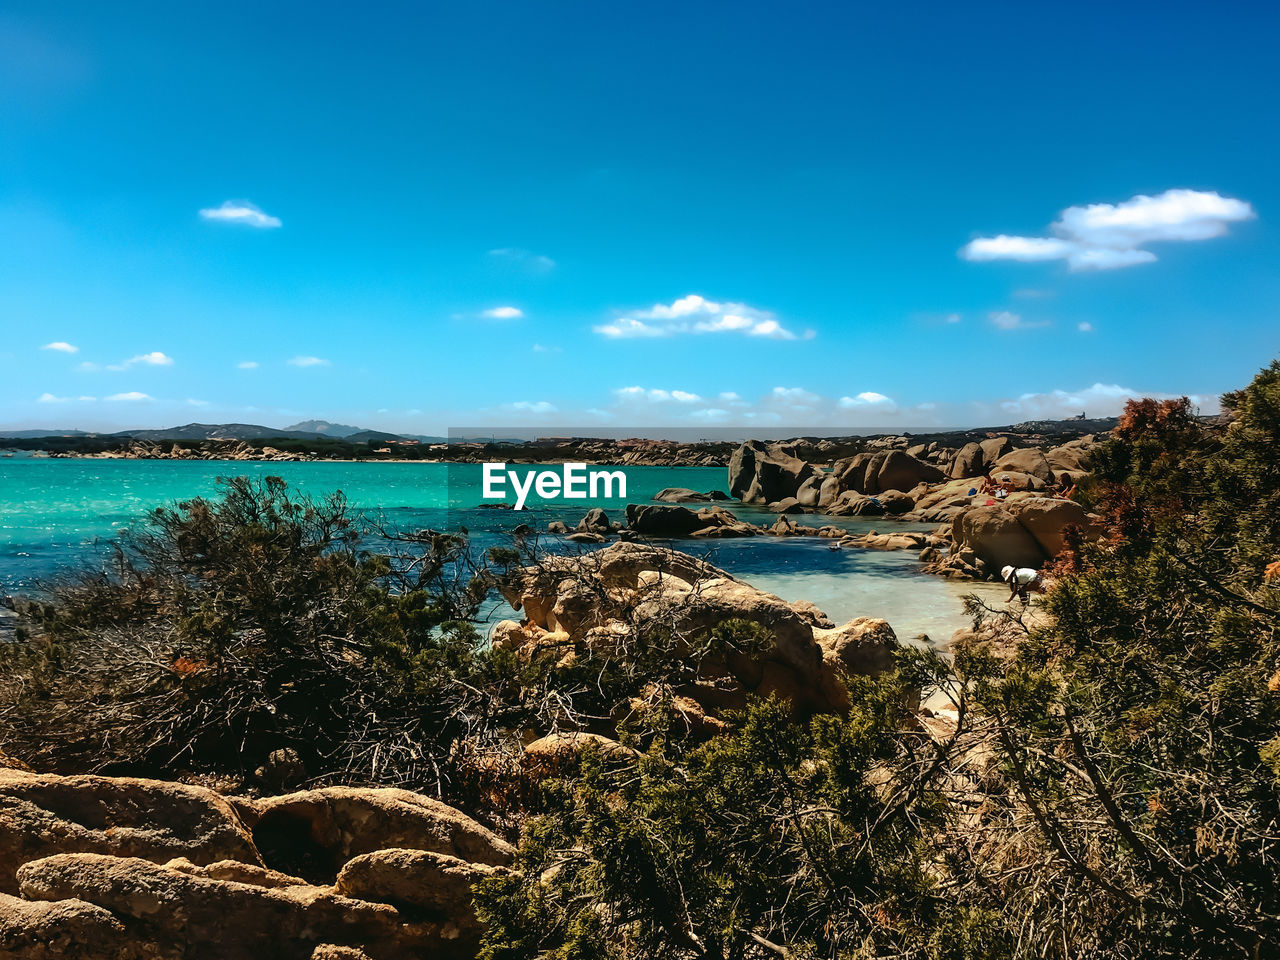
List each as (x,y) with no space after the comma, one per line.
(57,512)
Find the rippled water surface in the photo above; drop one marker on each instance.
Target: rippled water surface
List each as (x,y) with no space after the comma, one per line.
(55,512)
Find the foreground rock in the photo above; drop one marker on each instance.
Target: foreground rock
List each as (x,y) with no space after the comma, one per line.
(607,597)
(44,815)
(314,832)
(131,869)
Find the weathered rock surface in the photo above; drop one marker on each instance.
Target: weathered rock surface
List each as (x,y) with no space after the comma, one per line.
(206,918)
(596,521)
(420,884)
(43,814)
(1024,531)
(314,832)
(377,873)
(64,929)
(873,473)
(602,598)
(685,495)
(766,473)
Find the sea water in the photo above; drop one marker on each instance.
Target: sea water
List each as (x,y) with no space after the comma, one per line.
(57,512)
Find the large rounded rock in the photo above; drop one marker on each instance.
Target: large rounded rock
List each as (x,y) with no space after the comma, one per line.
(1046,519)
(765,473)
(968,462)
(596,521)
(43,814)
(899,471)
(863,646)
(996,537)
(198,918)
(1030,461)
(662,521)
(418,882)
(41,930)
(313,833)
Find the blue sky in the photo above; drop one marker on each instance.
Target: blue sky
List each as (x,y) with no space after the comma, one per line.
(418,216)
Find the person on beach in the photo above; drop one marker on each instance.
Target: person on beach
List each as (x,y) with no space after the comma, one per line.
(1021,581)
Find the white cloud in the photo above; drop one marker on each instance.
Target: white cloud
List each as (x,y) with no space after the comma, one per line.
(695,314)
(951,318)
(88,399)
(867,399)
(1099,400)
(247,365)
(1084,326)
(525,260)
(540,348)
(241,212)
(1107,236)
(197,403)
(61,346)
(133,396)
(532,406)
(50,398)
(155,359)
(654,395)
(88,366)
(1026,249)
(305,361)
(504,313)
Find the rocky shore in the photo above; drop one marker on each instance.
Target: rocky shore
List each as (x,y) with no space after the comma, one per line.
(996,503)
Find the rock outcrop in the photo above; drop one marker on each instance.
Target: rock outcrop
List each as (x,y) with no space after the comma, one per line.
(107,868)
(43,815)
(1024,531)
(766,473)
(608,596)
(873,473)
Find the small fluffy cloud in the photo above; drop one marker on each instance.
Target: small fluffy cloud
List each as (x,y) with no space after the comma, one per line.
(242,212)
(693,314)
(155,359)
(532,406)
(654,395)
(1085,326)
(867,399)
(50,398)
(133,396)
(504,313)
(61,346)
(1107,236)
(247,365)
(305,361)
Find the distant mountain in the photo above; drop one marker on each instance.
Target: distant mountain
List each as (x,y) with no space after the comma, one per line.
(216,431)
(326,429)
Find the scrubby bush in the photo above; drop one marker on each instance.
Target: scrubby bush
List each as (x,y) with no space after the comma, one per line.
(224,630)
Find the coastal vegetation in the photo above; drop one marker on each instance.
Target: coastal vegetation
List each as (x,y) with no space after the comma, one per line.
(686,767)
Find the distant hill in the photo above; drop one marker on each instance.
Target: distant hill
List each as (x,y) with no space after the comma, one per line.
(371,436)
(216,431)
(34,434)
(325,428)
